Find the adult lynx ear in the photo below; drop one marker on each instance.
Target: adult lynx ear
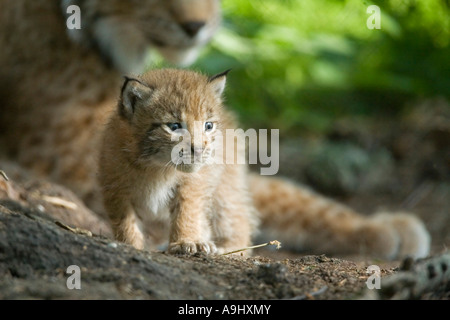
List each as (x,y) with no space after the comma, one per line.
(218,82)
(134,95)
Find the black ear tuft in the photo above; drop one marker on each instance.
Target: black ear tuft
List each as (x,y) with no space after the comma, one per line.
(218,82)
(134,94)
(219,75)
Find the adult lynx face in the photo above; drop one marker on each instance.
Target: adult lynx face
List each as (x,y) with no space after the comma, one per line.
(124,30)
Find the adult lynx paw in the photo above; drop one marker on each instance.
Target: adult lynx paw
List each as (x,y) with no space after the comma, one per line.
(413,238)
(188,247)
(395,236)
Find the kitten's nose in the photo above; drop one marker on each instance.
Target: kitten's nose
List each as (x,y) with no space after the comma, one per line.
(196,151)
(192,27)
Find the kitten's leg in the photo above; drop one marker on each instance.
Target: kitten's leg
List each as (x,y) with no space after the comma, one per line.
(190,231)
(127,226)
(234,218)
(232,228)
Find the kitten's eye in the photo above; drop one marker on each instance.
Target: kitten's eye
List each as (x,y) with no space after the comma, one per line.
(209,126)
(174,126)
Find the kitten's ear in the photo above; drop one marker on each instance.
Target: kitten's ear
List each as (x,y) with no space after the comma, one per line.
(218,82)
(134,95)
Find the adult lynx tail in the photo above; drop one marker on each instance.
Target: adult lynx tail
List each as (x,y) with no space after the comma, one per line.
(304,220)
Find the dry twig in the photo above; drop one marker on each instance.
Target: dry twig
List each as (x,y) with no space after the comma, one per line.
(60,202)
(270,243)
(73,230)
(3,174)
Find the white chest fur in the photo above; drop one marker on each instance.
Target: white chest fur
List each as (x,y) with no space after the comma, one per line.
(153,198)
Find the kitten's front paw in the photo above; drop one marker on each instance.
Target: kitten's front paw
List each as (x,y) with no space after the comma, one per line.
(190,247)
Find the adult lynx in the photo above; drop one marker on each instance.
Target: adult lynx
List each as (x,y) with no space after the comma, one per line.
(57,85)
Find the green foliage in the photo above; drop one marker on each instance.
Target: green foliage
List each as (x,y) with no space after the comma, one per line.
(299,64)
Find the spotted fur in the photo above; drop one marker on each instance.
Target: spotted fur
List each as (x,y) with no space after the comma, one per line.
(58,86)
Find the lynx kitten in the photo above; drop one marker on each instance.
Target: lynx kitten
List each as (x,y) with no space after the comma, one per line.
(206,206)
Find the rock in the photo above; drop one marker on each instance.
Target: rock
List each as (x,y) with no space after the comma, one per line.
(48,198)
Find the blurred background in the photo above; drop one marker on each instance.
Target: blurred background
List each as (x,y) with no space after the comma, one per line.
(299,64)
(363,114)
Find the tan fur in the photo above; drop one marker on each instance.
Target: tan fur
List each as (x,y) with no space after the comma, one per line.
(58,86)
(304,220)
(207,207)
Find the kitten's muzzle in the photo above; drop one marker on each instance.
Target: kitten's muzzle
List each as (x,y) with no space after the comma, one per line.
(197,151)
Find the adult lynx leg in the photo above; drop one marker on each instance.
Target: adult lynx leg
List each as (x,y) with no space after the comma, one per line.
(306,221)
(66,151)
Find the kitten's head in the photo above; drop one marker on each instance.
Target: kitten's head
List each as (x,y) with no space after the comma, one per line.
(123,30)
(176,117)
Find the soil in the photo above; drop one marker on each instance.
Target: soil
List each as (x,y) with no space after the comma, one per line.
(37,246)
(36,252)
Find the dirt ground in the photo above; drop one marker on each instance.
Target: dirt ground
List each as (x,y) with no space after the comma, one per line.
(35,255)
(35,251)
